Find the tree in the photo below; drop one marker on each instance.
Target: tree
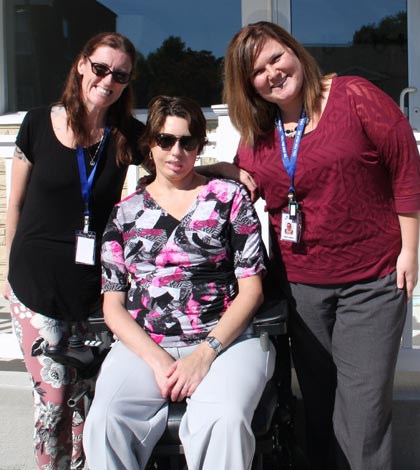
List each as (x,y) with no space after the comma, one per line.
(176,70)
(392,29)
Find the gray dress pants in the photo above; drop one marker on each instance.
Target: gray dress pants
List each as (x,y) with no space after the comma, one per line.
(128,414)
(345,343)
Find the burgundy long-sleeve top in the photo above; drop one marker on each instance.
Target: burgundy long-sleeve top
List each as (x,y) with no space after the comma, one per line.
(355,172)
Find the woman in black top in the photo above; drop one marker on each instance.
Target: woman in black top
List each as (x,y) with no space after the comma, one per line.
(68,171)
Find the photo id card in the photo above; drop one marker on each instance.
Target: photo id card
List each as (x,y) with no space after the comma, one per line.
(85,247)
(291,227)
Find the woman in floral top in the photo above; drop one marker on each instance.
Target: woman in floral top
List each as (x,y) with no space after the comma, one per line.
(182,264)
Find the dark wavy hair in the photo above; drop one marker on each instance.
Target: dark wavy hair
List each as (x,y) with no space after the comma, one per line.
(180,106)
(250,114)
(119,113)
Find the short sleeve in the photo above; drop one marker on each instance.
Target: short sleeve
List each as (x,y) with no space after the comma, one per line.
(245,236)
(114,272)
(28,130)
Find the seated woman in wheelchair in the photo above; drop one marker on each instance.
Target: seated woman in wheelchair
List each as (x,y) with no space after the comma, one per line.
(182,264)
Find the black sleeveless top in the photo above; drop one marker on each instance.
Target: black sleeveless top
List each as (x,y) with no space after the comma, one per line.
(42,270)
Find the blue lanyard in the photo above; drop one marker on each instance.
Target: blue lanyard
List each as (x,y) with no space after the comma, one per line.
(85,182)
(290,162)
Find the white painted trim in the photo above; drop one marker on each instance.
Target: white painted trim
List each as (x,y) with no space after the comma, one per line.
(12,119)
(256,10)
(3,78)
(413,36)
(281,14)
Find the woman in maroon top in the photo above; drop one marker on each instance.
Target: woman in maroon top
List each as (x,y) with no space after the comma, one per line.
(335,158)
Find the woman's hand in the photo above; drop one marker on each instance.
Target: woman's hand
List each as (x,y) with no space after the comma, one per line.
(161,371)
(407,271)
(247,180)
(407,261)
(185,374)
(233,172)
(123,325)
(6,290)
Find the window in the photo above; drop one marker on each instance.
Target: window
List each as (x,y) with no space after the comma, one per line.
(357,37)
(180,46)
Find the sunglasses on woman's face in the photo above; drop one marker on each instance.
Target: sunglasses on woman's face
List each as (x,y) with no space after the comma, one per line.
(102,70)
(167,141)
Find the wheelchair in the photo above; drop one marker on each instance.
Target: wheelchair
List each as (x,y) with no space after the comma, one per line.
(273,422)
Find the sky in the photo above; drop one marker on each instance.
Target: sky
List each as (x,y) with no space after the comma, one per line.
(201,26)
(335,21)
(211,24)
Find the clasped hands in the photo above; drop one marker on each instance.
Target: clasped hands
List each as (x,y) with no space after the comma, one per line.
(178,379)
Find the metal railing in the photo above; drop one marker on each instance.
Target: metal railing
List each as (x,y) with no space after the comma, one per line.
(222,147)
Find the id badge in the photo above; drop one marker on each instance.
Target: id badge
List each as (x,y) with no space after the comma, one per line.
(85,247)
(291,227)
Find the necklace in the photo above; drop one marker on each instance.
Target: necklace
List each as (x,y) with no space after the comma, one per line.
(290,132)
(92,160)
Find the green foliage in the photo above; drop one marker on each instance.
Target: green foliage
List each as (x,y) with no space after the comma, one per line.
(391,30)
(176,70)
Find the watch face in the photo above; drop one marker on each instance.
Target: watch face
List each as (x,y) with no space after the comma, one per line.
(214,343)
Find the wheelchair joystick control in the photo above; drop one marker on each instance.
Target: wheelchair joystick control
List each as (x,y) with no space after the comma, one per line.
(74,354)
(75,340)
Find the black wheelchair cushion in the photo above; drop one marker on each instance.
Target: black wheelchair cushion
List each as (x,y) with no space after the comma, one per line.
(261,422)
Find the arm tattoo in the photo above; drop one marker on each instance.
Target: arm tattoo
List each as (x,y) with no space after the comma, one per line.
(19,154)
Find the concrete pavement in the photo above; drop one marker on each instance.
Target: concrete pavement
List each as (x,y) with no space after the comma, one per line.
(16,449)
(16,411)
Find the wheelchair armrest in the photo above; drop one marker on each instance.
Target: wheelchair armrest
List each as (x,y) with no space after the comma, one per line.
(98,333)
(272,317)
(96,325)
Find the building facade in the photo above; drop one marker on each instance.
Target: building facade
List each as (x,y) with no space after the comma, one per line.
(376,39)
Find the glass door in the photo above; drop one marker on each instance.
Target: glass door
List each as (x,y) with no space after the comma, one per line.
(356,37)
(378,40)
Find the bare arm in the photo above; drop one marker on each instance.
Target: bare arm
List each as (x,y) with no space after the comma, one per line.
(186,373)
(120,322)
(21,173)
(239,314)
(407,262)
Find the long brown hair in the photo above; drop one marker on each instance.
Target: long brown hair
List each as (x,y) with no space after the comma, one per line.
(119,114)
(250,114)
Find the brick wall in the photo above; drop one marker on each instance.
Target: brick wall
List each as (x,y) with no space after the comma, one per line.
(5,130)
(3,208)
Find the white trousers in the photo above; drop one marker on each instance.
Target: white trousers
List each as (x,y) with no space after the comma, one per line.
(128,414)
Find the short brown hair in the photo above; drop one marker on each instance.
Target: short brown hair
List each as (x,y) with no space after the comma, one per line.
(163,106)
(250,114)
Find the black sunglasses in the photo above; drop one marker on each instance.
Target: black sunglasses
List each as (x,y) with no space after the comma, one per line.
(102,70)
(187,142)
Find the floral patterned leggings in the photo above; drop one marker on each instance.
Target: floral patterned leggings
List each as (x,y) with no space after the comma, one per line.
(58,428)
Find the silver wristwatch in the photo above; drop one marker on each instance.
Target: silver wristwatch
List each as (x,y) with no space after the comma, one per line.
(214,343)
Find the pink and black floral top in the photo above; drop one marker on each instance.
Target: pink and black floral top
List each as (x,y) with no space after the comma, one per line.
(181,275)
